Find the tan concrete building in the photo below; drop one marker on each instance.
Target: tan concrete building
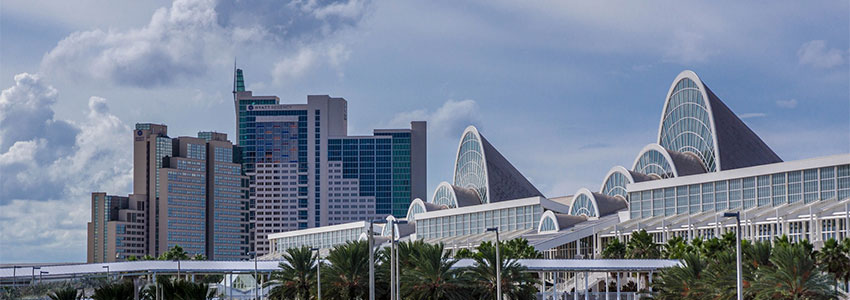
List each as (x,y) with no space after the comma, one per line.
(117,230)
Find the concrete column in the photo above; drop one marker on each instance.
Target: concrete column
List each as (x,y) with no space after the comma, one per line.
(650,281)
(618,285)
(586,290)
(555,287)
(575,281)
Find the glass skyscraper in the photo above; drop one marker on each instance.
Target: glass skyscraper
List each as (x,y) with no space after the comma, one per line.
(305,171)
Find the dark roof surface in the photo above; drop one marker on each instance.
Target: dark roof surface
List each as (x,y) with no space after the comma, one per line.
(465,196)
(686,163)
(608,204)
(504,181)
(737,144)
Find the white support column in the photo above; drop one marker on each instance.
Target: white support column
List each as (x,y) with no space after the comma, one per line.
(650,282)
(606,286)
(586,290)
(618,285)
(555,287)
(575,280)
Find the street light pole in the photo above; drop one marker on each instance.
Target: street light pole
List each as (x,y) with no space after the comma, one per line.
(737,216)
(498,264)
(107,272)
(32,280)
(318,273)
(392,260)
(256,279)
(372,223)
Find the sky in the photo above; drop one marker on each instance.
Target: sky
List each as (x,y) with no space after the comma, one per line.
(564,89)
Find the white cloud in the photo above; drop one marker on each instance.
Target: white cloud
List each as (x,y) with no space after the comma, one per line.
(687,48)
(816,54)
(448,120)
(790,103)
(293,67)
(185,40)
(45,192)
(351,9)
(752,115)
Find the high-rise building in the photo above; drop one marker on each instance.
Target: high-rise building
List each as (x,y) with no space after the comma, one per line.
(194,193)
(307,172)
(117,229)
(151,145)
(227,201)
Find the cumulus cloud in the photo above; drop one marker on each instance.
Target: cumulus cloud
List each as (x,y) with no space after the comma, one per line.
(790,103)
(185,40)
(292,67)
(449,120)
(816,54)
(55,166)
(687,48)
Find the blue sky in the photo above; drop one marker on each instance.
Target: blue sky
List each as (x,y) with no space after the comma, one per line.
(565,90)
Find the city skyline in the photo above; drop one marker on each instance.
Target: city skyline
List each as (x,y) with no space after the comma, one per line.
(565,76)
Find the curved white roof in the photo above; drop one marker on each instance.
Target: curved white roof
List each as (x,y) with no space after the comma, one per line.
(595,205)
(728,144)
(479,166)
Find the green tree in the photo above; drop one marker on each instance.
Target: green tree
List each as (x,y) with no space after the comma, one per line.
(175,253)
(296,277)
(347,275)
(64,293)
(114,291)
(642,246)
(516,282)
(431,276)
(614,250)
(675,248)
(132,258)
(684,281)
(834,260)
(199,257)
(519,249)
(793,275)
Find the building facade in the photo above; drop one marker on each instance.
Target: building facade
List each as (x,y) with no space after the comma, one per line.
(704,163)
(118,228)
(306,171)
(189,191)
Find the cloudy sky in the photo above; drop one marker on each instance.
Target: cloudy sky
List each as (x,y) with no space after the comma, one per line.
(564,89)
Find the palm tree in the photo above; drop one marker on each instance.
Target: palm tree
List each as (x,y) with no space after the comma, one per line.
(683,282)
(833,258)
(516,283)
(347,275)
(432,276)
(296,276)
(520,249)
(675,248)
(114,291)
(642,246)
(175,253)
(614,250)
(794,275)
(65,293)
(718,282)
(192,291)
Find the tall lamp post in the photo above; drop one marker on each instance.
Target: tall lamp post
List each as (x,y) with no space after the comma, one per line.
(498,264)
(372,256)
(394,270)
(737,216)
(318,273)
(256,279)
(107,271)
(32,280)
